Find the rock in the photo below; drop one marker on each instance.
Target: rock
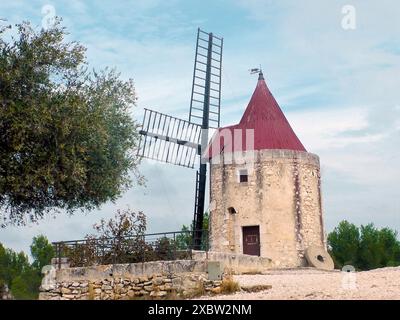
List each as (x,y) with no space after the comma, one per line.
(176,281)
(106,287)
(148,283)
(76,284)
(161,294)
(158,294)
(123,291)
(84,284)
(65,291)
(148,288)
(144,292)
(143,279)
(167,286)
(44,296)
(136,288)
(167,280)
(69,296)
(256,288)
(157,281)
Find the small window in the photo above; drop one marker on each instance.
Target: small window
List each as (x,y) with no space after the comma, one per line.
(243,176)
(232,210)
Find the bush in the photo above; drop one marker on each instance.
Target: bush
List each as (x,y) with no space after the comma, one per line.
(365,248)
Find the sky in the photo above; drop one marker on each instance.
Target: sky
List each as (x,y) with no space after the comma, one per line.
(336,81)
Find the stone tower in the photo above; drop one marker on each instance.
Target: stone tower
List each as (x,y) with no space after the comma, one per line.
(265,187)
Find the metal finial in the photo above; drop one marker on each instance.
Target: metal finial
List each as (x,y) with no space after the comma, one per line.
(259,71)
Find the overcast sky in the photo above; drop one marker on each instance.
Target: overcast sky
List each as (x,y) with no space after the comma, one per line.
(339,88)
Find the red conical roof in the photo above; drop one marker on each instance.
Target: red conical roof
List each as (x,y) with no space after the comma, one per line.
(265,117)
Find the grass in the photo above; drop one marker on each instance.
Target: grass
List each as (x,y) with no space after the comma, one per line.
(228,285)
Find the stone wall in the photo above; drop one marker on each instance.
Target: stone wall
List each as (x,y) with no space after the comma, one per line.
(232,263)
(160,279)
(282,197)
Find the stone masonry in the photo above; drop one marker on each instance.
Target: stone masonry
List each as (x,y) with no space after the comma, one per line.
(149,280)
(282,196)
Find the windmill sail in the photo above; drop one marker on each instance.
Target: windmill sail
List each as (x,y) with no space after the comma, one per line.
(169,139)
(180,142)
(206,86)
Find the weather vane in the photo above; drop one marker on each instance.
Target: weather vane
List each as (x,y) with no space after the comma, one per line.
(255,70)
(259,71)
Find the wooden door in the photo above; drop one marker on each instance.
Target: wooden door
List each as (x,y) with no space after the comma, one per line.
(251,240)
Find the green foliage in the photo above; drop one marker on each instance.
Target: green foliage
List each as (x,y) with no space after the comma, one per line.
(365,248)
(344,241)
(22,277)
(26,285)
(184,240)
(68,138)
(12,264)
(42,252)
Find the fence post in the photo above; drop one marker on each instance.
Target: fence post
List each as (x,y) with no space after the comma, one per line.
(174,246)
(143,249)
(59,255)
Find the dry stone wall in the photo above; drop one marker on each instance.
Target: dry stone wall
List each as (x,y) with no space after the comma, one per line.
(150,280)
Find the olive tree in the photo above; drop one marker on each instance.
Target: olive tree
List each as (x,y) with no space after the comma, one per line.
(67,138)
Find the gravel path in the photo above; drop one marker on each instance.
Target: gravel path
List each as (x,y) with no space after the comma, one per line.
(313,284)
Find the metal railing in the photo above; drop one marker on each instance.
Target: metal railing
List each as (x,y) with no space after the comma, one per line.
(137,248)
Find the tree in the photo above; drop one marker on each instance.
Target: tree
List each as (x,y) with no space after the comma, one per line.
(370,248)
(67,137)
(184,240)
(42,252)
(378,248)
(343,242)
(365,248)
(25,286)
(21,276)
(391,254)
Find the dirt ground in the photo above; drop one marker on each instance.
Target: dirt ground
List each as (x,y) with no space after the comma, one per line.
(312,284)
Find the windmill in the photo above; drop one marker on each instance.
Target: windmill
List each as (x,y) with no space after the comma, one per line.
(180,142)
